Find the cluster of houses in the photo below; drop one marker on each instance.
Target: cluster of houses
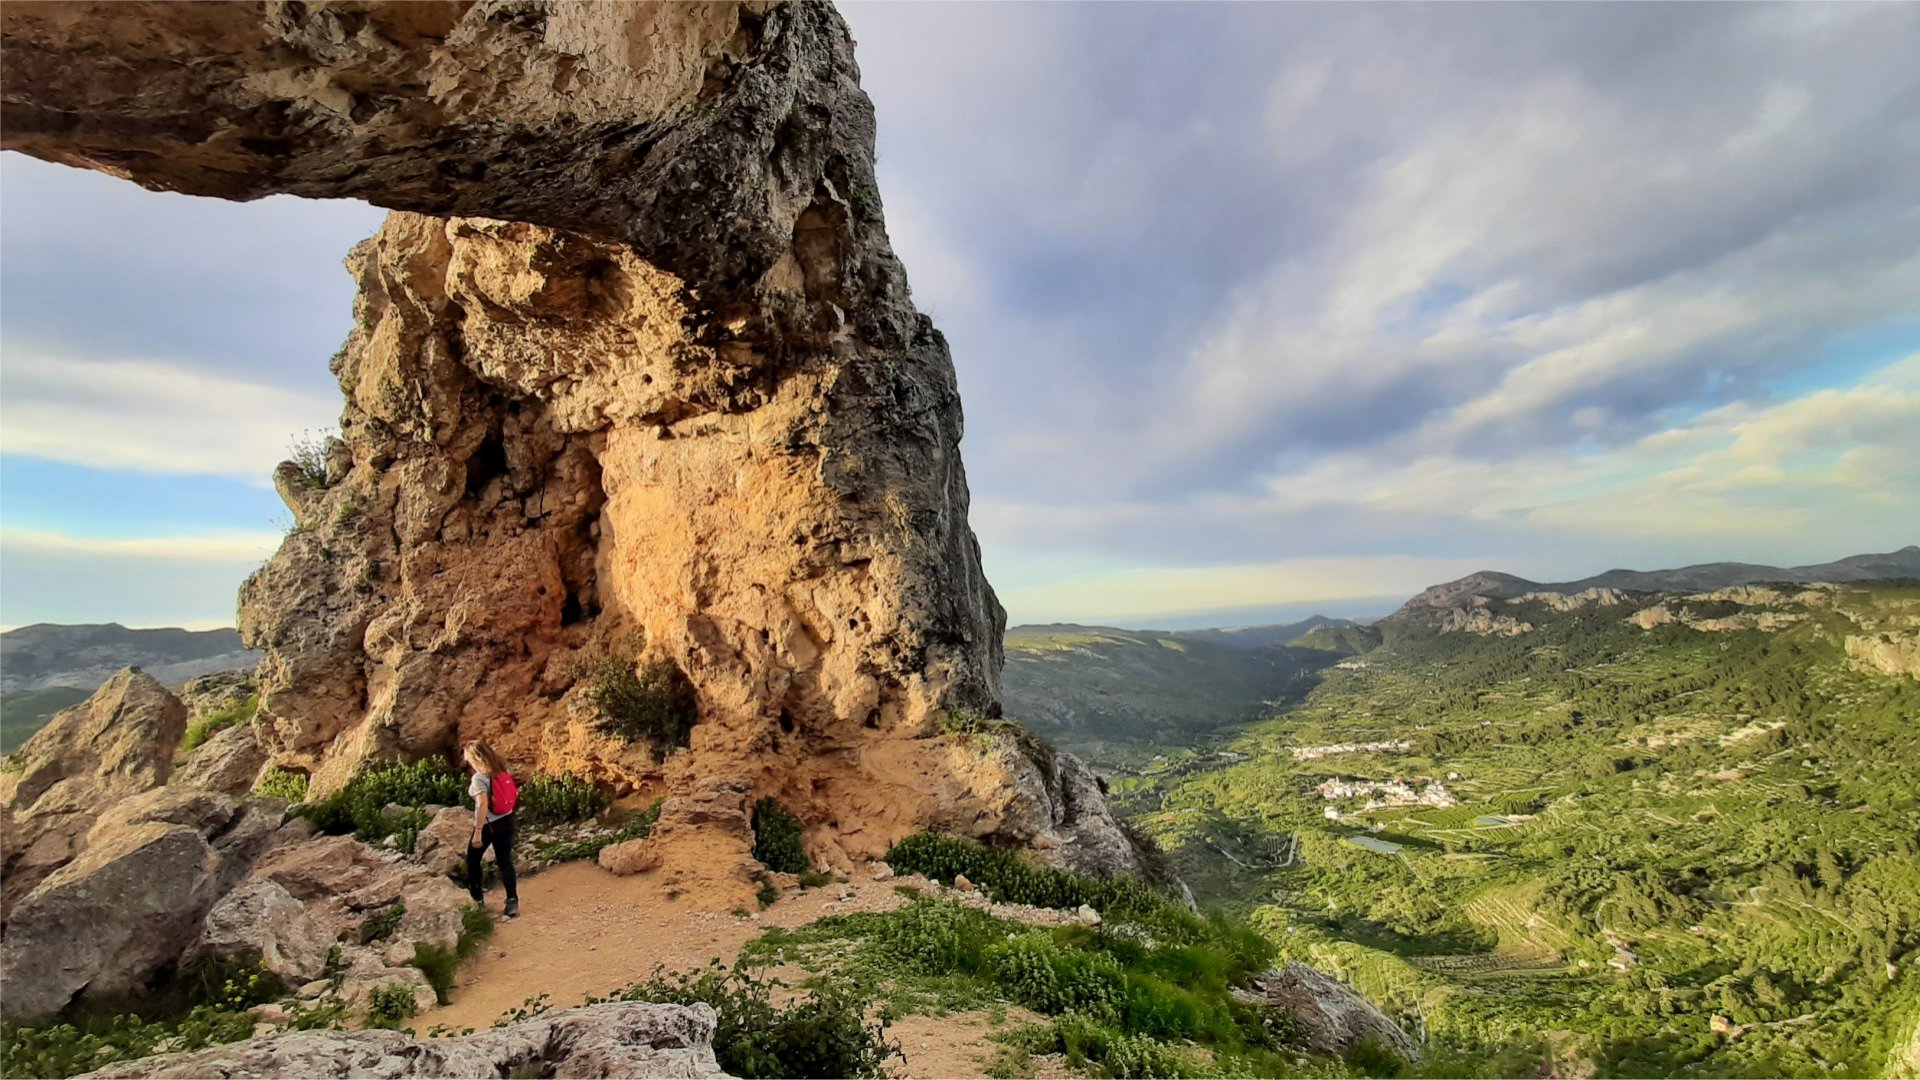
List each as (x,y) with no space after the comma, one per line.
(1315,753)
(1384,793)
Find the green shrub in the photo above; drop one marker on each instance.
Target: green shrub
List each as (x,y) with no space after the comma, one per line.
(439,964)
(938,936)
(776,838)
(1037,973)
(551,800)
(388,1005)
(813,879)
(1009,877)
(278,783)
(360,807)
(476,926)
(205,727)
(651,702)
(824,1034)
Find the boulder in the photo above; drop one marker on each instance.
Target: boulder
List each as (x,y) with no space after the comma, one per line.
(108,921)
(1330,1016)
(230,762)
(617,1039)
(442,845)
(629,857)
(260,921)
(116,744)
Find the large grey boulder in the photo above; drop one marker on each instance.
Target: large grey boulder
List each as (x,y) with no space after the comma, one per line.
(618,1039)
(262,922)
(1331,1017)
(108,921)
(116,744)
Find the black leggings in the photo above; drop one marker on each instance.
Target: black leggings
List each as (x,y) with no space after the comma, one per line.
(499,833)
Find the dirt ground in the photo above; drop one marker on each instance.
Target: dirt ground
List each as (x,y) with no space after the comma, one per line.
(583,931)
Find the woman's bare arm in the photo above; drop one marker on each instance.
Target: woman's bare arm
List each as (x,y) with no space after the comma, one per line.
(481,804)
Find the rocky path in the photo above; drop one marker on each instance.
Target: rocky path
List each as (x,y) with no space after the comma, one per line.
(583,931)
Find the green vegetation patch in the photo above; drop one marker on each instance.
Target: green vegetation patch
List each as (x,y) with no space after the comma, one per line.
(824,1033)
(553,800)
(278,783)
(232,714)
(777,838)
(360,807)
(641,701)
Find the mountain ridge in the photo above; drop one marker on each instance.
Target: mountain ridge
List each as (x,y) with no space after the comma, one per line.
(1904,562)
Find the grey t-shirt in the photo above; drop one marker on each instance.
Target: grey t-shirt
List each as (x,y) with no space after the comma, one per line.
(482,784)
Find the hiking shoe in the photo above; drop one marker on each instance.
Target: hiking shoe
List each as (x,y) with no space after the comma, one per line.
(513,907)
(478,900)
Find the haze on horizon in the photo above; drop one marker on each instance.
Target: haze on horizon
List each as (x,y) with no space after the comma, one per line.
(1258,310)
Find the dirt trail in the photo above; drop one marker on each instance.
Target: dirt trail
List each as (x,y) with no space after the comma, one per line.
(583,931)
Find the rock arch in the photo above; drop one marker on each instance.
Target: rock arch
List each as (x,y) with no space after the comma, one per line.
(633,354)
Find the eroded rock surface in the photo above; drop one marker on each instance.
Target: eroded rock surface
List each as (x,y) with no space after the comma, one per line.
(636,362)
(1330,1017)
(621,1039)
(116,744)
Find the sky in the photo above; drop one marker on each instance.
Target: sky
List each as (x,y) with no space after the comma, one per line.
(1258,310)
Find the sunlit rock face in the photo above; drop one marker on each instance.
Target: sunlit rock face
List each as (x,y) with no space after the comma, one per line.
(634,358)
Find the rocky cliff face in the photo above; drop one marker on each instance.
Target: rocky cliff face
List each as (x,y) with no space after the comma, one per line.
(635,359)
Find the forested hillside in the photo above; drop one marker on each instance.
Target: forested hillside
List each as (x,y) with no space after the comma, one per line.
(1119,697)
(1641,835)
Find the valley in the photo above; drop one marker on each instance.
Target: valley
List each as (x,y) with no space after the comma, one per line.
(1649,834)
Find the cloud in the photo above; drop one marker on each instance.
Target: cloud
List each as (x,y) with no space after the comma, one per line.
(150,415)
(189,581)
(218,547)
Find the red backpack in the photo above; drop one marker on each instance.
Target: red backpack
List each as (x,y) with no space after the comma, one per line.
(503,795)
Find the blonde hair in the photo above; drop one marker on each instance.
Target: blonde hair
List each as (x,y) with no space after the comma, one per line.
(491,761)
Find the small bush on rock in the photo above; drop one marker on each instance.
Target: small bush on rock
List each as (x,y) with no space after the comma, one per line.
(230,715)
(388,1005)
(278,783)
(649,702)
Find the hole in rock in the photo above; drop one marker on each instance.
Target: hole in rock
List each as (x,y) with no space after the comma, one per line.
(487,462)
(786,721)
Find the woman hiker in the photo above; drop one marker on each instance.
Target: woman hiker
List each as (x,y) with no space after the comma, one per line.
(494,795)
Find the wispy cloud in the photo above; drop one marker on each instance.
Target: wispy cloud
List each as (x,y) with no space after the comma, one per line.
(149,415)
(216,547)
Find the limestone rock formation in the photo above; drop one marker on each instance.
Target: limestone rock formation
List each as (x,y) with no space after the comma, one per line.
(1329,1016)
(116,744)
(649,370)
(619,1039)
(1886,653)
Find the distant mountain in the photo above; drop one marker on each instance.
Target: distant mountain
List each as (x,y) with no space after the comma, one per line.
(48,655)
(1257,637)
(1702,577)
(1104,692)
(1344,640)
